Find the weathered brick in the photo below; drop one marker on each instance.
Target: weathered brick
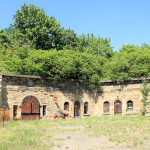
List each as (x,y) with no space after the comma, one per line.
(14,88)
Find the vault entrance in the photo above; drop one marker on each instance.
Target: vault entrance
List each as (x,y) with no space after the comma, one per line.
(30,108)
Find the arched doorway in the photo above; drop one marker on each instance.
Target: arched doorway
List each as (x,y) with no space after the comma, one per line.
(118,107)
(76,109)
(30,108)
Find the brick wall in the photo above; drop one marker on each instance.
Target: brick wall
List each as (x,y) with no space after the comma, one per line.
(17,87)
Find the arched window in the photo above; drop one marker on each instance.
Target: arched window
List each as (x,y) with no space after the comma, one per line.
(86,108)
(106,107)
(66,106)
(129,105)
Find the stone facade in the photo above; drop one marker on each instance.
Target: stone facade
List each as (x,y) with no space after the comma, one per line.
(14,88)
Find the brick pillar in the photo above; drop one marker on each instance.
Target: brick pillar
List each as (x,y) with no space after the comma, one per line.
(124,105)
(112,108)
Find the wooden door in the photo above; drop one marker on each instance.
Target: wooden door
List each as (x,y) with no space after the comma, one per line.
(106,107)
(118,107)
(30,108)
(76,109)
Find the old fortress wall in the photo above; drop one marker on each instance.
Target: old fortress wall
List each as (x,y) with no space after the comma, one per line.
(54,95)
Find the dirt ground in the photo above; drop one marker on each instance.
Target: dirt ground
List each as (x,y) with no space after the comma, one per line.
(77,141)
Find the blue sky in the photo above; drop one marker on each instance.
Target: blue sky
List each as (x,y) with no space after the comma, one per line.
(124,21)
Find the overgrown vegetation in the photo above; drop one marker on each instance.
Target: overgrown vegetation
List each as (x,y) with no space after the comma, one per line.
(36,44)
(145,91)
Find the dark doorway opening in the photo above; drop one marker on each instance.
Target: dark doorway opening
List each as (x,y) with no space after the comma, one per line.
(76,109)
(86,108)
(44,110)
(15,111)
(66,106)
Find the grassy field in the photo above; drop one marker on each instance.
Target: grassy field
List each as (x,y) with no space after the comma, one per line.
(120,131)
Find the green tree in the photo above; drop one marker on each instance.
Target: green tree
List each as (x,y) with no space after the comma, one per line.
(66,64)
(4,39)
(70,39)
(129,48)
(95,45)
(131,62)
(33,27)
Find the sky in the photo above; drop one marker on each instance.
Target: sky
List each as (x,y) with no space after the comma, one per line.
(123,21)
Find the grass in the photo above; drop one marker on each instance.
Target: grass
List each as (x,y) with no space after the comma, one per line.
(27,135)
(68,137)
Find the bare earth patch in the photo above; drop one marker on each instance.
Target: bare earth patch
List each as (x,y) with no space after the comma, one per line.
(76,141)
(80,142)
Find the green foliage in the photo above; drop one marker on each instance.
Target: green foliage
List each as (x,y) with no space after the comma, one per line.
(130,62)
(35,28)
(145,91)
(70,39)
(36,44)
(66,64)
(6,54)
(97,46)
(4,40)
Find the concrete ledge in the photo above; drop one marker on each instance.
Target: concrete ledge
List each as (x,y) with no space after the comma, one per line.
(106,114)
(131,113)
(86,115)
(147,115)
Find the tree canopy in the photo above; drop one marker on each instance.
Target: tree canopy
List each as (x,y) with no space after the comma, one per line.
(36,44)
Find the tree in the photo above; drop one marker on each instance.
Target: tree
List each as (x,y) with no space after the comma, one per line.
(66,64)
(95,45)
(4,40)
(33,27)
(70,39)
(130,62)
(129,48)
